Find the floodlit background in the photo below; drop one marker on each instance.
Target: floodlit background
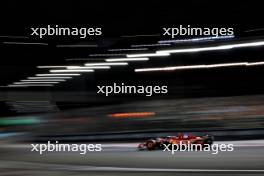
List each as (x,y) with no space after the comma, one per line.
(48,87)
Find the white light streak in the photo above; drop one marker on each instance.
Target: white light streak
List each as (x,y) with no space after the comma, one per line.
(147,45)
(43,78)
(129,49)
(197,39)
(213,48)
(148,55)
(11,85)
(56,66)
(106,55)
(127,59)
(92,67)
(30,85)
(85,59)
(188,67)
(14,37)
(48,82)
(24,43)
(70,71)
(107,64)
(50,74)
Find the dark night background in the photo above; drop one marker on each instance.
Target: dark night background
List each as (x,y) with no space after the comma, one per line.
(118,20)
(225,103)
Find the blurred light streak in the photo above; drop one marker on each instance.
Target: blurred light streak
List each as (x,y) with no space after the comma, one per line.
(31,85)
(107,64)
(188,67)
(48,78)
(55,66)
(47,82)
(148,55)
(86,67)
(126,59)
(155,44)
(132,114)
(129,49)
(14,37)
(197,39)
(85,59)
(24,43)
(19,121)
(106,55)
(70,71)
(34,80)
(254,30)
(50,74)
(213,48)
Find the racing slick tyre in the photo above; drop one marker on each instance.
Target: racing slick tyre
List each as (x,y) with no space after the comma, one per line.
(151,145)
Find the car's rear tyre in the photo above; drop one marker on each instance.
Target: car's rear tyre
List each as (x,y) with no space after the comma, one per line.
(151,145)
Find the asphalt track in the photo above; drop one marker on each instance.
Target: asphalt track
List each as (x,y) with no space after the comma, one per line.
(120,159)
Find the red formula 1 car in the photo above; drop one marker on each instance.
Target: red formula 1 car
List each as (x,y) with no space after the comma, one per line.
(158,143)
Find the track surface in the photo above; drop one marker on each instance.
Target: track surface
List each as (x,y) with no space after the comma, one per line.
(118,159)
